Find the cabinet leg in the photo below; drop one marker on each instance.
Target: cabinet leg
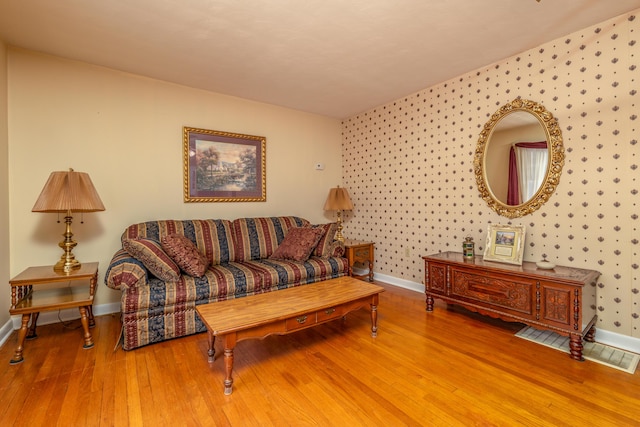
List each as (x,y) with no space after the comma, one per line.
(429,303)
(88,339)
(22,333)
(575,347)
(590,336)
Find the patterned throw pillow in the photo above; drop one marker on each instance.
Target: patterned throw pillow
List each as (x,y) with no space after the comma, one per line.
(185,253)
(298,244)
(323,249)
(150,253)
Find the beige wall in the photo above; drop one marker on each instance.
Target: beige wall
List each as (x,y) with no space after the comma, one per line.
(4,190)
(409,165)
(126,132)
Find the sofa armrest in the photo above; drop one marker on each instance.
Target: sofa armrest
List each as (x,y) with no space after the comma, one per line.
(125,272)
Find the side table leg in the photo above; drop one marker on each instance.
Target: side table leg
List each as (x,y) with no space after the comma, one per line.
(575,346)
(88,339)
(31,334)
(229,345)
(212,351)
(92,320)
(370,271)
(22,333)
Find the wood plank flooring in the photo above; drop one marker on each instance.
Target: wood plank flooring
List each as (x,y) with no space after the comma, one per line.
(445,368)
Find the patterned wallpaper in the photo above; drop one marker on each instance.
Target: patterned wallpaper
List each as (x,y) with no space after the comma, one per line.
(408,165)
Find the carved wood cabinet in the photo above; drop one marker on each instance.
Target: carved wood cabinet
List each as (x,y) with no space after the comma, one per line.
(562,299)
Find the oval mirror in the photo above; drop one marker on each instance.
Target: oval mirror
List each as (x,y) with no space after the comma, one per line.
(518,158)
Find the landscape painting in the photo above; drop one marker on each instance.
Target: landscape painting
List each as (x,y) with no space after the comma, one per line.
(223,166)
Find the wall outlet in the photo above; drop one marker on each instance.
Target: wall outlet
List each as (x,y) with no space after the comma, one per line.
(319,166)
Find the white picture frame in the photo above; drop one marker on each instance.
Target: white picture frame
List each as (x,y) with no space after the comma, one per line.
(505,243)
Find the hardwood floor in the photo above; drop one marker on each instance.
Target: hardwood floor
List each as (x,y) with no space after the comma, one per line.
(449,367)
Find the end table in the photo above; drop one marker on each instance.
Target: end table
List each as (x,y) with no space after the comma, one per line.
(359,251)
(41,288)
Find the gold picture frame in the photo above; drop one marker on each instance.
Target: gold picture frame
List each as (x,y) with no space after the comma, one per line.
(223,166)
(505,243)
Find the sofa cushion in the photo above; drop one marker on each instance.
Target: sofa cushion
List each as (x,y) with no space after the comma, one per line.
(324,247)
(150,253)
(258,238)
(212,237)
(184,252)
(298,244)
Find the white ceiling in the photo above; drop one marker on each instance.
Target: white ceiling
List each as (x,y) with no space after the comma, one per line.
(331,57)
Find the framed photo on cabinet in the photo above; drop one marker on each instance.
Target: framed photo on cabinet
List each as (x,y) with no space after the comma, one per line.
(505,243)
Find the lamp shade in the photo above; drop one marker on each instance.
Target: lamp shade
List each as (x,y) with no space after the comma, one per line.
(68,191)
(338,200)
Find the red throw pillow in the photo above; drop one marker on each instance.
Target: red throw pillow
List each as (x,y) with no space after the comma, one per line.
(149,253)
(298,244)
(185,253)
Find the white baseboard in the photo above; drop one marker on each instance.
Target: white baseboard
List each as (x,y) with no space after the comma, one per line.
(612,339)
(5,331)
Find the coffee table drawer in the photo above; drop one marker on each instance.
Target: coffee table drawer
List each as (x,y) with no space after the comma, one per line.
(301,321)
(330,313)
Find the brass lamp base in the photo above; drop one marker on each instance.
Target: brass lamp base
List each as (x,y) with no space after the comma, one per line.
(339,237)
(66,266)
(68,261)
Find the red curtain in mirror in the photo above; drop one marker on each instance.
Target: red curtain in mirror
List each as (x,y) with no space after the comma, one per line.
(513,191)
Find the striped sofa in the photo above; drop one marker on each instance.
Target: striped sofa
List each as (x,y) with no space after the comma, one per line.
(237,252)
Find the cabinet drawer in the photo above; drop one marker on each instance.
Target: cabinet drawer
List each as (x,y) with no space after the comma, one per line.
(330,313)
(506,292)
(301,321)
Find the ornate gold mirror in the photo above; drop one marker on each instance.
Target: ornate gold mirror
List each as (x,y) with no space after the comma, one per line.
(519,158)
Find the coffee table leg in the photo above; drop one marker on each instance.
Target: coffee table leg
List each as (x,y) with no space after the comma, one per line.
(374,316)
(229,345)
(212,351)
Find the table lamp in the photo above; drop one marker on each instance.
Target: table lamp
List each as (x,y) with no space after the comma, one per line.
(338,200)
(68,192)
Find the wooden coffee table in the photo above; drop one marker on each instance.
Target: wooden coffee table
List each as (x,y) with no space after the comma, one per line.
(284,311)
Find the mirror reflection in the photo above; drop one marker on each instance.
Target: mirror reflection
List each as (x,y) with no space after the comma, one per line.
(518,158)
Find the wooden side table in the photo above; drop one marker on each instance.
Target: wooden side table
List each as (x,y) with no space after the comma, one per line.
(41,288)
(360,251)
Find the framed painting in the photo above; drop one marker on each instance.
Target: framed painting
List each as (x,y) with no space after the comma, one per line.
(505,243)
(223,166)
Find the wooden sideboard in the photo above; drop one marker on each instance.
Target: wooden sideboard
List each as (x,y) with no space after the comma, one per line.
(562,299)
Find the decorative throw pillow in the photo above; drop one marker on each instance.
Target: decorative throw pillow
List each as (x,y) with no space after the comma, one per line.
(150,253)
(323,248)
(185,253)
(298,244)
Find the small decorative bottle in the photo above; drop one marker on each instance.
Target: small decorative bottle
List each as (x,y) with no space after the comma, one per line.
(468,249)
